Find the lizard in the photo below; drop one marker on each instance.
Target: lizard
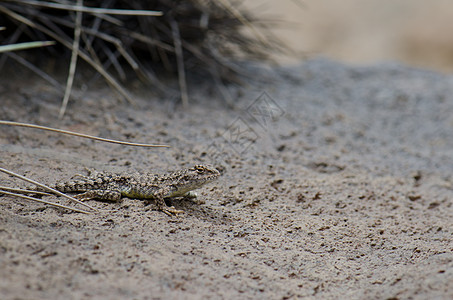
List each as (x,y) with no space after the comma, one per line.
(109,186)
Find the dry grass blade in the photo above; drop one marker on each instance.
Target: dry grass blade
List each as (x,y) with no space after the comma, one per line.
(180,62)
(193,39)
(43,201)
(22,46)
(68,45)
(36,70)
(45,187)
(23,191)
(92,10)
(243,20)
(11,123)
(72,66)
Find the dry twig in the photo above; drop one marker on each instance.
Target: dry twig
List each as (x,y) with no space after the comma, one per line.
(5,192)
(74,55)
(78,134)
(154,38)
(45,187)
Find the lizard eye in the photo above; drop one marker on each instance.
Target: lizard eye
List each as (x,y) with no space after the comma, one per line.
(199,169)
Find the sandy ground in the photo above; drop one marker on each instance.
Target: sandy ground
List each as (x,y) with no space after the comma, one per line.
(336,183)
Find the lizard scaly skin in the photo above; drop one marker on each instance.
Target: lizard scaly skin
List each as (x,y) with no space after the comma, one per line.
(106,186)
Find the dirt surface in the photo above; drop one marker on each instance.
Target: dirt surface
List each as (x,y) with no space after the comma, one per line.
(336,183)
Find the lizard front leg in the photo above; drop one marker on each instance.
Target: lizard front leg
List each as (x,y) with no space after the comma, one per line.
(169,210)
(110,195)
(162,206)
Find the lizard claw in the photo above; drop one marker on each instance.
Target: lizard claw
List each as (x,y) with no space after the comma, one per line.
(171,211)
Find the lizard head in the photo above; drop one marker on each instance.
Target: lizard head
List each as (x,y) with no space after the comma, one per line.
(195,177)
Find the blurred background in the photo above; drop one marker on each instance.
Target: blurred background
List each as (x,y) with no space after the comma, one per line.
(415,32)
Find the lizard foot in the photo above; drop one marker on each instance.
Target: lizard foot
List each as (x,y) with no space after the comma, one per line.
(171,211)
(82,197)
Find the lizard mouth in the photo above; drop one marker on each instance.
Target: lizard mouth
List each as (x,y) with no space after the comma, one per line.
(199,183)
(194,184)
